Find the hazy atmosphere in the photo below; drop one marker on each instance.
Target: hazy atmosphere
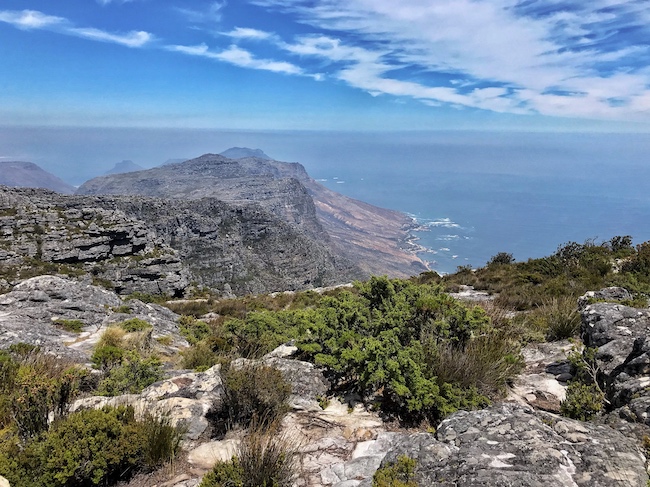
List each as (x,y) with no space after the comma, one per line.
(484,101)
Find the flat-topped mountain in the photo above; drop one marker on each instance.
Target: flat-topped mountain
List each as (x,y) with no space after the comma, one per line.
(373,238)
(241,152)
(29,175)
(124,167)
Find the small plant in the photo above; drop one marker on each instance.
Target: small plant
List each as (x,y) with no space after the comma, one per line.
(252,394)
(398,474)
(124,309)
(323,402)
(73,326)
(193,330)
(162,440)
(263,459)
(131,375)
(583,401)
(134,324)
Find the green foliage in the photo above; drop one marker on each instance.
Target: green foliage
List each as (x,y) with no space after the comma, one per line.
(583,401)
(398,474)
(558,317)
(501,258)
(134,324)
(131,375)
(74,326)
(32,387)
(162,440)
(584,396)
(89,447)
(193,330)
(252,394)
(263,459)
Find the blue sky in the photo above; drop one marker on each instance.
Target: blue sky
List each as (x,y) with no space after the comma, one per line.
(327,64)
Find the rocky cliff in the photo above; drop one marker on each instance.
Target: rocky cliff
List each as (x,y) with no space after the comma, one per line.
(371,237)
(157,246)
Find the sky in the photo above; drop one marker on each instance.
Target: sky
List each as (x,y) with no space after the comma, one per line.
(538,65)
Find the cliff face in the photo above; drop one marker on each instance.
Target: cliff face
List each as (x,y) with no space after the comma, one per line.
(372,238)
(154,245)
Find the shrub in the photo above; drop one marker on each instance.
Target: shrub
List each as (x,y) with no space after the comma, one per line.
(162,440)
(252,394)
(74,326)
(501,258)
(398,474)
(263,459)
(583,401)
(131,375)
(193,330)
(559,318)
(134,324)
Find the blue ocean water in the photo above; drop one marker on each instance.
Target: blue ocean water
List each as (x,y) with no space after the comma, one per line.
(474,194)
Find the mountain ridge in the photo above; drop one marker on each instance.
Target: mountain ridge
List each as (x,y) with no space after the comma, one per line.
(20,174)
(373,238)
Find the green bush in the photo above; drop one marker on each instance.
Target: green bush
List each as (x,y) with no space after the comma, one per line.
(252,394)
(583,401)
(193,330)
(74,326)
(134,324)
(89,447)
(398,474)
(263,459)
(131,375)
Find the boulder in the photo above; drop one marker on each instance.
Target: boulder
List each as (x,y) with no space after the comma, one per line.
(515,446)
(620,335)
(31,312)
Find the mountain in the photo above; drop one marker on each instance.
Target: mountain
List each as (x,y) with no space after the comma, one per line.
(124,167)
(29,175)
(375,239)
(241,152)
(174,161)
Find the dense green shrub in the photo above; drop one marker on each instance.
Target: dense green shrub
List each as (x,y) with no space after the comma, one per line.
(398,474)
(583,401)
(193,330)
(74,326)
(131,375)
(89,447)
(255,394)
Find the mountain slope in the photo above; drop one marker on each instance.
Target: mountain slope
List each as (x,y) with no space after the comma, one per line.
(29,175)
(124,167)
(373,238)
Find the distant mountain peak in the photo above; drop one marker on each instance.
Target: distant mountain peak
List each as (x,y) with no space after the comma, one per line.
(125,166)
(29,175)
(242,152)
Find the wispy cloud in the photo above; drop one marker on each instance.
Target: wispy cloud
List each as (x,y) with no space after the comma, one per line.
(558,58)
(211,14)
(246,33)
(239,57)
(29,19)
(32,19)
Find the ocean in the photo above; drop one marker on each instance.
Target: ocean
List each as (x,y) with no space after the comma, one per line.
(473,194)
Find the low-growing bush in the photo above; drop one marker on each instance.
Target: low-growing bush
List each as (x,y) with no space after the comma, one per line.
(131,375)
(162,440)
(252,394)
(134,324)
(398,474)
(74,326)
(193,330)
(263,459)
(583,401)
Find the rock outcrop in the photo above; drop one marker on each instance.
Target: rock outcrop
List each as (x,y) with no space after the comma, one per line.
(36,311)
(373,238)
(515,446)
(621,335)
(137,244)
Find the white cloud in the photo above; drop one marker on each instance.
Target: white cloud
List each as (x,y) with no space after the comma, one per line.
(558,58)
(29,19)
(131,39)
(246,33)
(209,15)
(32,19)
(239,57)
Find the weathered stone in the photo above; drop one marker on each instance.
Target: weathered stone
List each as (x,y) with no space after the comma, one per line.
(512,445)
(609,294)
(207,454)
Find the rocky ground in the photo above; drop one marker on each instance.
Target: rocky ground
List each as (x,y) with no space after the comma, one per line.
(518,442)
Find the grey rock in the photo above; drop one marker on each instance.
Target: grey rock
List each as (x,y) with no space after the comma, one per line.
(609,294)
(510,445)
(29,314)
